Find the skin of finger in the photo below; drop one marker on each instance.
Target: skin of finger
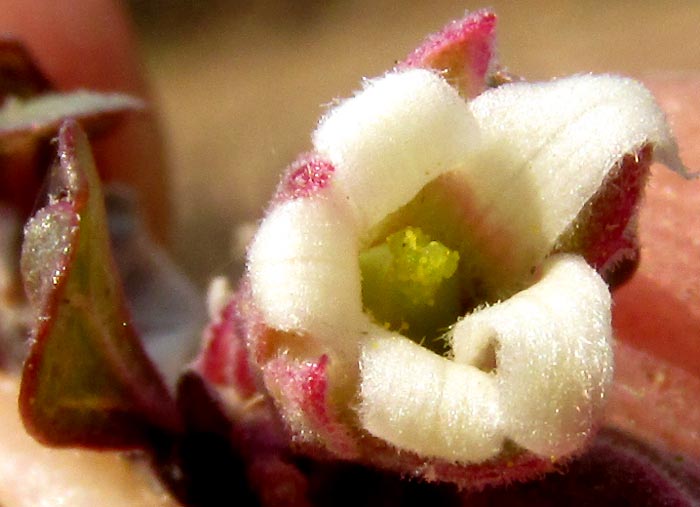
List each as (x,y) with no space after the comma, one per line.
(32,475)
(90,44)
(659,309)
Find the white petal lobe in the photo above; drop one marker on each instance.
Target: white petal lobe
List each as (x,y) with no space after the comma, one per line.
(419,401)
(524,159)
(396,135)
(553,355)
(551,146)
(304,270)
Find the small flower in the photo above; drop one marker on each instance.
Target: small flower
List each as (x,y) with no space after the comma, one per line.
(428,288)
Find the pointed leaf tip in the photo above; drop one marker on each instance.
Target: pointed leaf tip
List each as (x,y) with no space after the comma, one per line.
(87,380)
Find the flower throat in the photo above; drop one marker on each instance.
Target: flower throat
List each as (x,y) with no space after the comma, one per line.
(409,285)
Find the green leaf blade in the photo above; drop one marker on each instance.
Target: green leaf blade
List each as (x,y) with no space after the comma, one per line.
(87,380)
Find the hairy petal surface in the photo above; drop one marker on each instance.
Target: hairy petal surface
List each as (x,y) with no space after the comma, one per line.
(550,146)
(396,135)
(553,355)
(502,184)
(304,270)
(417,400)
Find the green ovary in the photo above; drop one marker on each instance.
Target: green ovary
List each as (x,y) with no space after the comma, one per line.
(410,285)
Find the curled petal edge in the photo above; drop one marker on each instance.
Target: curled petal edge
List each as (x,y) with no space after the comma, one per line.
(543,393)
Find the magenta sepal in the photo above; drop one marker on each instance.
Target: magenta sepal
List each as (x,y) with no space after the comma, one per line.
(463,51)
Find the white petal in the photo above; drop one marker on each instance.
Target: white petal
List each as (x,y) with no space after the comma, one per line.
(303,268)
(553,355)
(421,402)
(396,135)
(551,145)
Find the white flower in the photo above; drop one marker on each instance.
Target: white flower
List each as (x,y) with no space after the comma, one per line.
(530,359)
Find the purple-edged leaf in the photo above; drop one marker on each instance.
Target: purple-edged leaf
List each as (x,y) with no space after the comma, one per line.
(19,74)
(87,380)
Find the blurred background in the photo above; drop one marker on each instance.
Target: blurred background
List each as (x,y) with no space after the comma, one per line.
(241,84)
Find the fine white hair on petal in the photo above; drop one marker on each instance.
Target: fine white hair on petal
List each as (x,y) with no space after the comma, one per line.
(303,268)
(425,403)
(549,147)
(553,355)
(397,134)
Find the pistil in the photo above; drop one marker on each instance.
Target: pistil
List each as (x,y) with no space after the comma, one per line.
(409,285)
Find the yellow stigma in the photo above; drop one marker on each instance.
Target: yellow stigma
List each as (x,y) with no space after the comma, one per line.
(408,284)
(420,265)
